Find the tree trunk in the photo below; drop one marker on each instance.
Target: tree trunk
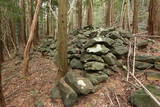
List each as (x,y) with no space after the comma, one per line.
(90,13)
(135,17)
(2,100)
(79,13)
(31,37)
(22,37)
(47,33)
(108,14)
(62,37)
(154,17)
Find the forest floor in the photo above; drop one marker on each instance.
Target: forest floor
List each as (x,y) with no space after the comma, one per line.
(21,93)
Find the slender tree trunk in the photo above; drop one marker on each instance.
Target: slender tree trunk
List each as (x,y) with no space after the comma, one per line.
(31,37)
(23,24)
(154,17)
(79,13)
(62,37)
(108,14)
(2,100)
(90,13)
(47,33)
(135,17)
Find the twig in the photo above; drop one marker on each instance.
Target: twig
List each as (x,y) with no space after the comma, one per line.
(110,99)
(117,100)
(128,60)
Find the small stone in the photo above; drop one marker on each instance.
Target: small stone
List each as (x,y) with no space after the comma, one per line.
(142,44)
(94,66)
(76,64)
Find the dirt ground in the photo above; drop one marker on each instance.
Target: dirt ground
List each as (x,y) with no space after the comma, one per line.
(21,93)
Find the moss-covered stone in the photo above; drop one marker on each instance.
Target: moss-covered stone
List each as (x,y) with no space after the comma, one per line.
(141,99)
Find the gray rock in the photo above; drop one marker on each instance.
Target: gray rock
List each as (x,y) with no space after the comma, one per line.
(96,78)
(69,96)
(143,65)
(108,71)
(142,44)
(157,65)
(120,50)
(98,49)
(94,66)
(147,58)
(109,59)
(80,84)
(90,57)
(76,64)
(39,104)
(114,35)
(141,99)
(153,75)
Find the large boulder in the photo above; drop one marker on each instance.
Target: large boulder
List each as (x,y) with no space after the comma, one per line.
(98,49)
(69,96)
(143,65)
(110,59)
(76,64)
(96,78)
(80,84)
(141,99)
(94,66)
(91,57)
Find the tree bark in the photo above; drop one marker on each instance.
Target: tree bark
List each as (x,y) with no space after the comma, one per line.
(154,17)
(90,13)
(108,14)
(135,17)
(2,100)
(23,24)
(62,37)
(31,37)
(79,13)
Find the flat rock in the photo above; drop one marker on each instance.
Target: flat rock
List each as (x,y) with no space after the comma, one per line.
(147,58)
(98,49)
(55,93)
(91,57)
(94,66)
(69,96)
(80,84)
(141,99)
